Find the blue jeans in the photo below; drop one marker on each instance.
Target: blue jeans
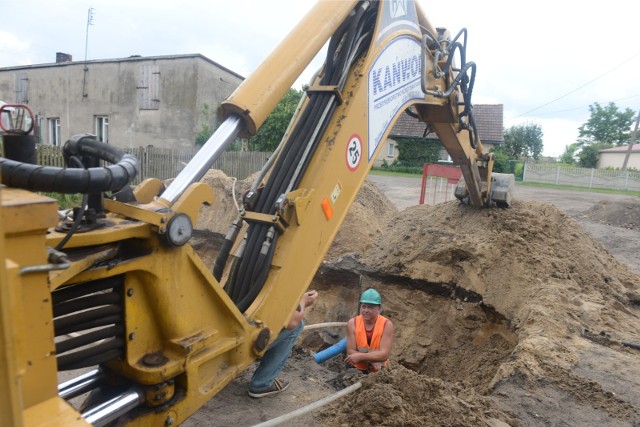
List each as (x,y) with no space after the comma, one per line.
(274,358)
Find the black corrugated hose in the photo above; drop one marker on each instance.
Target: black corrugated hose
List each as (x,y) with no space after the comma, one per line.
(123,170)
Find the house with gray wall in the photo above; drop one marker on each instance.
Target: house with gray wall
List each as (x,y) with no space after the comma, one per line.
(128,102)
(489,119)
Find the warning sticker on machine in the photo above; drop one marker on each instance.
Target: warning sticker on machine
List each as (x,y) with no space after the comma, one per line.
(354,152)
(394,80)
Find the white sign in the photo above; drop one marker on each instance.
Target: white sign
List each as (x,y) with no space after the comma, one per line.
(394,80)
(354,152)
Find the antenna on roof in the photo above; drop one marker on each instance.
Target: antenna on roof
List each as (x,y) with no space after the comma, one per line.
(86,45)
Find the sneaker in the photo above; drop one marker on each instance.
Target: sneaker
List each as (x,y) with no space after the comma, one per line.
(277,386)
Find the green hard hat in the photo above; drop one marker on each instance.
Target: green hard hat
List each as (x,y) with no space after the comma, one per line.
(371,296)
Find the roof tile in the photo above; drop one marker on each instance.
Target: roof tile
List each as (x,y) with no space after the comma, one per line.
(488,118)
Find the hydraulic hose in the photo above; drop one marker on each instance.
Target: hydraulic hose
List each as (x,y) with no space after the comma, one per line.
(82,289)
(346,45)
(88,338)
(106,350)
(85,303)
(123,170)
(78,321)
(223,255)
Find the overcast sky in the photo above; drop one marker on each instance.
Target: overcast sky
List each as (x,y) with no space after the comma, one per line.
(545,61)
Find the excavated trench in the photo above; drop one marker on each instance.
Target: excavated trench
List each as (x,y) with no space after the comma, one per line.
(441,330)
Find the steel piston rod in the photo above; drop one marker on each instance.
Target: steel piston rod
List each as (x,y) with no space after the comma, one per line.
(114,408)
(203,160)
(79,385)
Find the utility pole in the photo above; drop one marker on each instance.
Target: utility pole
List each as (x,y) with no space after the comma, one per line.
(633,141)
(86,46)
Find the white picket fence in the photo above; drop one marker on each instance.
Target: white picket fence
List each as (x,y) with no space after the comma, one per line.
(581,177)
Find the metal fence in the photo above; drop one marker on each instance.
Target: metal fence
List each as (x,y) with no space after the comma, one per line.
(581,177)
(166,163)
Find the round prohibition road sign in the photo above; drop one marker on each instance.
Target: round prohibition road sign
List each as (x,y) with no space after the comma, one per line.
(354,152)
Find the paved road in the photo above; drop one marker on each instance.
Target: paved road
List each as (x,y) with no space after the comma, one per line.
(405,192)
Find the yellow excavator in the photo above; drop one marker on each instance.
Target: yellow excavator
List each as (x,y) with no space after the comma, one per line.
(117,290)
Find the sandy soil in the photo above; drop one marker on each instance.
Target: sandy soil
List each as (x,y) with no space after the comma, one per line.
(503,317)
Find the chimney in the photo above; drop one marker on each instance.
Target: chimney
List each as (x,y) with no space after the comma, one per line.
(63,57)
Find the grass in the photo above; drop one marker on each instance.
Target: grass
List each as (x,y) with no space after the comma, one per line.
(575,188)
(65,201)
(390,173)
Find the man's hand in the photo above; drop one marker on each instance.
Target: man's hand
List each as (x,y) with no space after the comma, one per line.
(308,298)
(354,358)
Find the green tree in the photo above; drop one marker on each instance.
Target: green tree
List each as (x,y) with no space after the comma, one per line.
(272,130)
(522,141)
(501,162)
(569,155)
(588,156)
(606,125)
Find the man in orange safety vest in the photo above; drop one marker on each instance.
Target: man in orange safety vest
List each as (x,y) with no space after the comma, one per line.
(369,335)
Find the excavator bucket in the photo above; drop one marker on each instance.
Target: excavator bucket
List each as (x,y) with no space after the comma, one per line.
(502,189)
(501,193)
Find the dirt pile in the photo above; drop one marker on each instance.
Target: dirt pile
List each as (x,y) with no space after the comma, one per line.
(399,397)
(227,196)
(625,213)
(370,215)
(532,252)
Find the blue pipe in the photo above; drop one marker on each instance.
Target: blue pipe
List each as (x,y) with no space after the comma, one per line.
(334,350)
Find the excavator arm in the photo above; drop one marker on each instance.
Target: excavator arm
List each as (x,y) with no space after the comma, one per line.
(129,296)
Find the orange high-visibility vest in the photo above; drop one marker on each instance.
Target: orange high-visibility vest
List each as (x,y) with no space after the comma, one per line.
(361,339)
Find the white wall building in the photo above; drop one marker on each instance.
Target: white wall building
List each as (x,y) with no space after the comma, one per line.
(614,157)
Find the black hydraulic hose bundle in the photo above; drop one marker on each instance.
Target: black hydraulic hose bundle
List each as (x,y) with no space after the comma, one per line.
(218,267)
(465,81)
(123,170)
(79,151)
(250,270)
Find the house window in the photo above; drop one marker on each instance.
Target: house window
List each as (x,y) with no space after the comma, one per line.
(391,150)
(444,156)
(54,131)
(21,88)
(149,87)
(102,128)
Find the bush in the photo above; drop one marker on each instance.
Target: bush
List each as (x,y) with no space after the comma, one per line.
(65,201)
(418,151)
(501,163)
(518,170)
